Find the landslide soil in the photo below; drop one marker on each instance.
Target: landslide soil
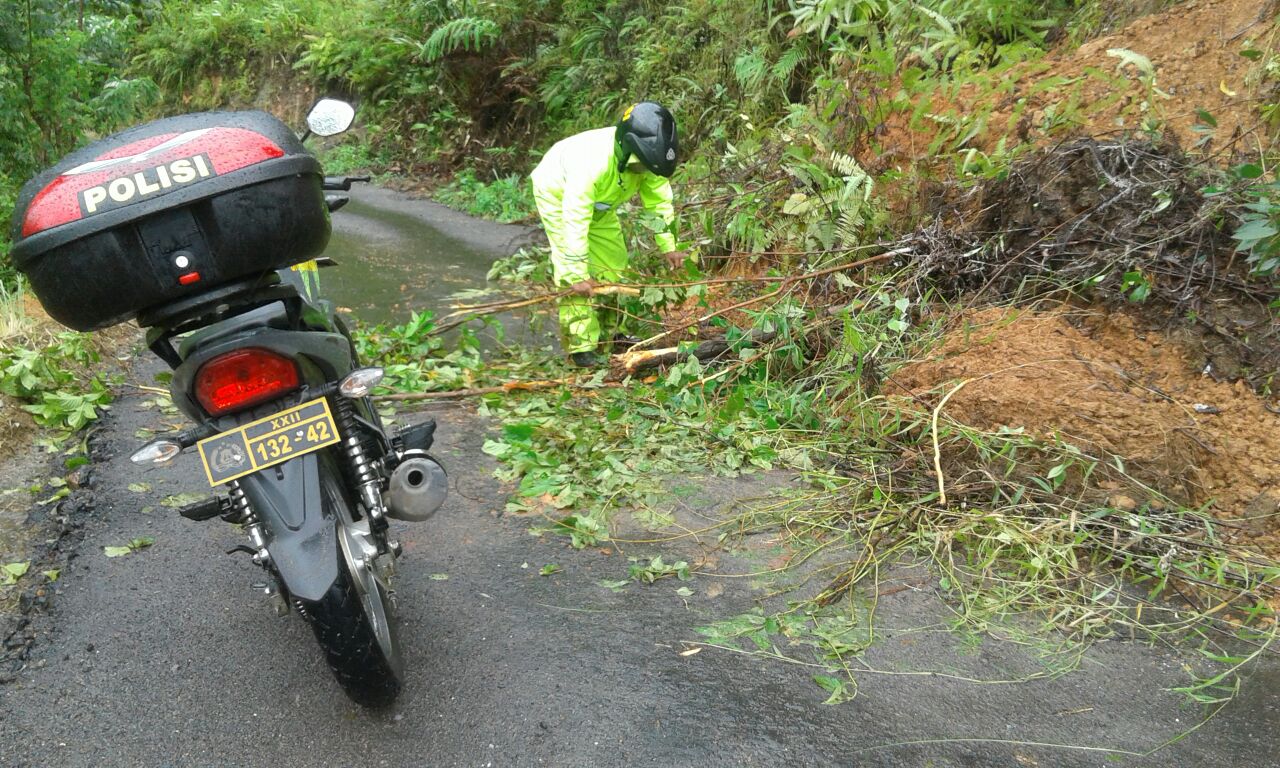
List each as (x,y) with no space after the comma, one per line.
(1195,52)
(1099,381)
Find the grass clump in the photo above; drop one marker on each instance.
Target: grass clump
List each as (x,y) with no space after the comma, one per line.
(504,199)
(48,373)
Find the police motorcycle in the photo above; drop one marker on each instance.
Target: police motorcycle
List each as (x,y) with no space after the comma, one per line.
(186,224)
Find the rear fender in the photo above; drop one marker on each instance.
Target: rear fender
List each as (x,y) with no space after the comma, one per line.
(299,516)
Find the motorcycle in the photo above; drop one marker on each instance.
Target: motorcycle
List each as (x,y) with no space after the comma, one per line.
(193,226)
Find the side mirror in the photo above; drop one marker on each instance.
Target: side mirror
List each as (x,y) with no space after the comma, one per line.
(330,117)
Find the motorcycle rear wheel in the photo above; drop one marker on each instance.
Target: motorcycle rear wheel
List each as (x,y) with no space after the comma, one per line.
(355,624)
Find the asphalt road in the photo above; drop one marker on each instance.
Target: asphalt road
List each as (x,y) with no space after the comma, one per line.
(167,657)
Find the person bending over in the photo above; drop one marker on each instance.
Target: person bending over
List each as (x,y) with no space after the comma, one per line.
(577,187)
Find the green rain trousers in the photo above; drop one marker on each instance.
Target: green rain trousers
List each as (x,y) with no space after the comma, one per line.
(577,188)
(305,277)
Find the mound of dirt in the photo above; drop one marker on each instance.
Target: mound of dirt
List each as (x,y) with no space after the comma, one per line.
(1194,50)
(1097,381)
(1195,53)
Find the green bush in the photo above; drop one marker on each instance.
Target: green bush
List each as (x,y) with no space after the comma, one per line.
(505,198)
(50,381)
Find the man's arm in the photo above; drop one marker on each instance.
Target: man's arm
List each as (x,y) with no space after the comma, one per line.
(655,193)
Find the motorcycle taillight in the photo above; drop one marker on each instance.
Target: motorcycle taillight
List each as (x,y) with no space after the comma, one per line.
(244,378)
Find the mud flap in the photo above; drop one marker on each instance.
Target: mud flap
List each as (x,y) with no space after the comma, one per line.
(299,521)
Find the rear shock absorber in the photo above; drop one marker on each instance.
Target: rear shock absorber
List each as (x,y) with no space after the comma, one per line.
(366,474)
(242,512)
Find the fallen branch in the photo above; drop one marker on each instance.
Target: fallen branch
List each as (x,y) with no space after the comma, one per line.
(787,283)
(937,450)
(465,313)
(631,361)
(510,386)
(468,312)
(608,289)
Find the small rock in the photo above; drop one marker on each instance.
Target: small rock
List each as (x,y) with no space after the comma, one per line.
(80,477)
(1122,502)
(88,648)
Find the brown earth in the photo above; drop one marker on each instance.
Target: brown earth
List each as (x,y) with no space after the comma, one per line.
(1100,382)
(1194,49)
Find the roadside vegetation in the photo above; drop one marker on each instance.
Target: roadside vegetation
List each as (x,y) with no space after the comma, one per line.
(876,188)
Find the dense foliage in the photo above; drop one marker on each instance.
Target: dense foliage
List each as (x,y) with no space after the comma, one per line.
(773,97)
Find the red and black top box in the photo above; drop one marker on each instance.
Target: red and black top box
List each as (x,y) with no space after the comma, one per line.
(165,210)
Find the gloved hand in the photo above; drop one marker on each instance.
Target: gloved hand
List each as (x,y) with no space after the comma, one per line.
(583,288)
(675,259)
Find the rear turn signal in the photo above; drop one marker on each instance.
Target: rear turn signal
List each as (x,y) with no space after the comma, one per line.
(244,378)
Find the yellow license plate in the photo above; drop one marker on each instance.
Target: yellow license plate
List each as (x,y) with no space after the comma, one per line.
(267,442)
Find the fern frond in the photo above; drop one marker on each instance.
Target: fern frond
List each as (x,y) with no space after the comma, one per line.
(786,64)
(850,227)
(845,165)
(749,69)
(467,33)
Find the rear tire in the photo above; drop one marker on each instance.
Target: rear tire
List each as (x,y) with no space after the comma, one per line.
(354,621)
(351,646)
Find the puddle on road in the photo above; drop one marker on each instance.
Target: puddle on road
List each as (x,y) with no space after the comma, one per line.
(392,263)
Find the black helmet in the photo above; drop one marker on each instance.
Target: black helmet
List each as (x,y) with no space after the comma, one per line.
(648,131)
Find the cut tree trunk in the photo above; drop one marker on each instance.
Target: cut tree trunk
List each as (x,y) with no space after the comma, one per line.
(632,361)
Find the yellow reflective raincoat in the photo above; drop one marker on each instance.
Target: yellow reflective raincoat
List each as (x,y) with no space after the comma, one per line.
(577,188)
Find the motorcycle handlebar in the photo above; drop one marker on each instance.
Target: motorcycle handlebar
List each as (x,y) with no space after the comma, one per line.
(341,183)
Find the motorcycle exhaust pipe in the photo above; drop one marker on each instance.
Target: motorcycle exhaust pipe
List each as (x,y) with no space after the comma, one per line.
(417,488)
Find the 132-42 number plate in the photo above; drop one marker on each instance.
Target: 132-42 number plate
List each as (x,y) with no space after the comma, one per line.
(266,442)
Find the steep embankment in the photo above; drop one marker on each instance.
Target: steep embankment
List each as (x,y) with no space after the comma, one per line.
(1190,73)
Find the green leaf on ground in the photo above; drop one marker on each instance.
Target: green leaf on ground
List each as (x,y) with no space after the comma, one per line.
(139,543)
(549,569)
(61,494)
(140,487)
(616,586)
(181,500)
(11,572)
(52,574)
(840,690)
(684,592)
(439,577)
